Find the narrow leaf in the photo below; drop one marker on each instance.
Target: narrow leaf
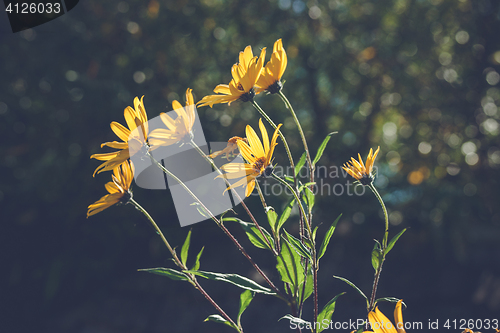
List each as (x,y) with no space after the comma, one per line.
(393,241)
(272,217)
(253,233)
(168,272)
(376,257)
(300,163)
(353,286)
(296,320)
(328,236)
(289,266)
(322,147)
(389,299)
(309,195)
(196,265)
(219,319)
(237,280)
(303,186)
(298,246)
(245,299)
(327,312)
(185,248)
(285,215)
(309,288)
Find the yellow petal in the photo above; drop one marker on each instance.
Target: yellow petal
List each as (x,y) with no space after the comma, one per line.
(250,187)
(254,141)
(265,137)
(398,316)
(121,131)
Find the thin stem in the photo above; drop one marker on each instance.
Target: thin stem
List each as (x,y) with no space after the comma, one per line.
(384,246)
(223,227)
(191,277)
(249,213)
(301,132)
(374,190)
(261,195)
(290,158)
(301,208)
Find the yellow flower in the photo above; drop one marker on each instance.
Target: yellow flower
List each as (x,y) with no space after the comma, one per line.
(179,129)
(245,75)
(379,323)
(270,78)
(258,156)
(230,148)
(119,189)
(135,118)
(360,171)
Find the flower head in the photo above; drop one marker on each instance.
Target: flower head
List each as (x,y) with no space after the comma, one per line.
(179,129)
(134,137)
(379,323)
(270,79)
(245,75)
(258,155)
(119,189)
(230,148)
(361,171)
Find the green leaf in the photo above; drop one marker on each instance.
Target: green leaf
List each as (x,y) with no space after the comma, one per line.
(284,216)
(289,179)
(296,320)
(200,209)
(361,329)
(185,248)
(219,319)
(388,299)
(309,195)
(328,236)
(253,233)
(300,163)
(303,186)
(377,257)
(314,232)
(245,299)
(327,312)
(289,266)
(237,280)
(298,246)
(354,286)
(168,272)
(322,147)
(196,265)
(272,217)
(308,290)
(393,241)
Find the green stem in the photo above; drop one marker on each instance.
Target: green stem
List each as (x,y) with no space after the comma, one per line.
(299,203)
(290,158)
(223,227)
(211,162)
(374,190)
(384,246)
(191,277)
(301,132)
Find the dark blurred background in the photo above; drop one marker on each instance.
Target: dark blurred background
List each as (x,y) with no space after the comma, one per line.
(419,78)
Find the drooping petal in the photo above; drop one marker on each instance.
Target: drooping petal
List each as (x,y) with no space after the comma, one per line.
(398,314)
(121,131)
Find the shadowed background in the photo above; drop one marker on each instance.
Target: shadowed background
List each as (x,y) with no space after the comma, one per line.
(420,79)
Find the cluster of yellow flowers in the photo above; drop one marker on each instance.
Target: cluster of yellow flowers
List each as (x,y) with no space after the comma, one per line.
(250,77)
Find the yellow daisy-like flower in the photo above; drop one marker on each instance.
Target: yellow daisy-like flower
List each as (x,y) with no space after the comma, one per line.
(135,118)
(245,75)
(179,129)
(119,189)
(230,148)
(381,324)
(270,79)
(361,171)
(258,156)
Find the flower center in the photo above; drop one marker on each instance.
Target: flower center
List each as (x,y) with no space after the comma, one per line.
(248,97)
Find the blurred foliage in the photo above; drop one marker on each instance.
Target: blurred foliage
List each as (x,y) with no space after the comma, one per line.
(419,78)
